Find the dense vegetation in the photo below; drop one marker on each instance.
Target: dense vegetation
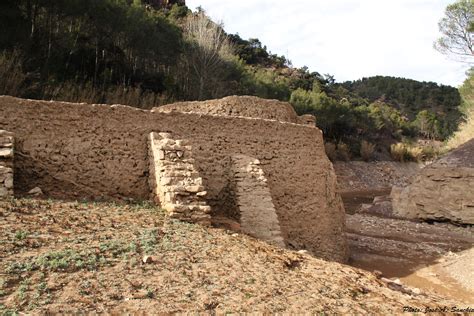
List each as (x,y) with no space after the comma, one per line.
(466,129)
(145,54)
(410,97)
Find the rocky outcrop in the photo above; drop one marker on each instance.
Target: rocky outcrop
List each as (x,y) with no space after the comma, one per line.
(6,164)
(442,191)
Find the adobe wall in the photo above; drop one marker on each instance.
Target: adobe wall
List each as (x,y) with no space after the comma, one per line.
(99,151)
(247,106)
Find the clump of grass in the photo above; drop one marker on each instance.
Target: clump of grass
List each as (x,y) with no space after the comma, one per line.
(398,152)
(64,260)
(11,74)
(149,241)
(464,133)
(21,235)
(343,151)
(331,151)
(367,150)
(406,152)
(69,259)
(23,288)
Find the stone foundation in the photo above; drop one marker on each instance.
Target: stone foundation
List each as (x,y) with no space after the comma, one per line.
(6,164)
(174,181)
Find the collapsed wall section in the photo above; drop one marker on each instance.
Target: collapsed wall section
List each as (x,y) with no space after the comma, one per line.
(174,182)
(6,164)
(101,152)
(258,216)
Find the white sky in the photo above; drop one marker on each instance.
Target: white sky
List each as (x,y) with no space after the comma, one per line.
(349,39)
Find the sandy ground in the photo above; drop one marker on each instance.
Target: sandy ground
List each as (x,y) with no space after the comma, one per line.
(73,257)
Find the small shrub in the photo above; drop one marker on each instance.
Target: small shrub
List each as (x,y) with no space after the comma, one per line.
(12,77)
(464,133)
(398,152)
(366,150)
(149,240)
(405,152)
(343,151)
(432,152)
(331,151)
(21,235)
(414,153)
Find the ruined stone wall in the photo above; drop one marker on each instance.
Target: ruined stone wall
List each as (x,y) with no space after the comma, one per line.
(6,163)
(98,151)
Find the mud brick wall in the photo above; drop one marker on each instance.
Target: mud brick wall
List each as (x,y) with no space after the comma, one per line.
(6,164)
(175,183)
(101,152)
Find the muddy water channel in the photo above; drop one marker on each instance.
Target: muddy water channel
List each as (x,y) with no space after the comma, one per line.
(420,255)
(354,199)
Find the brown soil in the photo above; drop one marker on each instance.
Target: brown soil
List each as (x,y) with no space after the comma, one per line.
(374,175)
(73,257)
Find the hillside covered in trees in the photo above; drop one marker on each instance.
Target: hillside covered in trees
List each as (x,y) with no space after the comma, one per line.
(149,53)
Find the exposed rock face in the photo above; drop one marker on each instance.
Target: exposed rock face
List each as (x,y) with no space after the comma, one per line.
(441,191)
(6,164)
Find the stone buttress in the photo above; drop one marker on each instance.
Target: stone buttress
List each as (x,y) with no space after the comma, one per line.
(175,183)
(6,164)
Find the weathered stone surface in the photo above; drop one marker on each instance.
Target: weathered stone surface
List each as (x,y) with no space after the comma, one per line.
(6,152)
(177,191)
(8,182)
(36,191)
(6,163)
(441,191)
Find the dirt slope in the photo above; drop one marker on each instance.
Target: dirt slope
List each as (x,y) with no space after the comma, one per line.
(78,257)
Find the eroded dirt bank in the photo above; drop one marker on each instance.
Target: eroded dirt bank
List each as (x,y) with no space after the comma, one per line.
(436,257)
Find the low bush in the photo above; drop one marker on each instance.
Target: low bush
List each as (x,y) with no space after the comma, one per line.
(367,150)
(331,151)
(343,151)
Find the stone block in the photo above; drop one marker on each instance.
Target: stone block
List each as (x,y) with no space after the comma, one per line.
(6,153)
